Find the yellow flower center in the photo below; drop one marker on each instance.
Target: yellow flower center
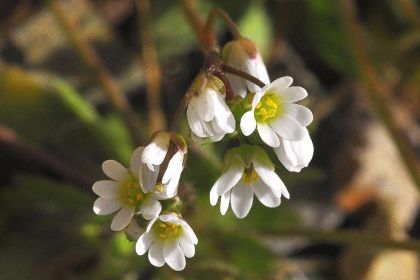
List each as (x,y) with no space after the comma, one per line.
(130,193)
(166,230)
(249,175)
(158,188)
(269,107)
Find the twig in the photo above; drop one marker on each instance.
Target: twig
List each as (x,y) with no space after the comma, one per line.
(377,89)
(349,238)
(10,140)
(151,67)
(233,28)
(245,75)
(97,69)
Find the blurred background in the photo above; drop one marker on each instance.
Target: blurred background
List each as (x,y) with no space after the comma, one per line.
(71,70)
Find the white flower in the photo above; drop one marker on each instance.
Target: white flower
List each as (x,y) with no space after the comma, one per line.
(295,155)
(123,193)
(248,171)
(169,239)
(244,55)
(162,150)
(275,115)
(207,112)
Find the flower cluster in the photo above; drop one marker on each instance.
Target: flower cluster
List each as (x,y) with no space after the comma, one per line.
(136,193)
(222,106)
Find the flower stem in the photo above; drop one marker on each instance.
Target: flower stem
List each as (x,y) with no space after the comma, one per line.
(377,89)
(231,25)
(151,67)
(97,69)
(245,75)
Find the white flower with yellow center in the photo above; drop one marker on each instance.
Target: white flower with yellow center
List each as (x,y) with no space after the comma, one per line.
(275,115)
(207,113)
(165,150)
(124,194)
(169,239)
(295,155)
(244,55)
(248,171)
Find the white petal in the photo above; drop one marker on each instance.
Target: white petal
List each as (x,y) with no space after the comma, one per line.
(228,179)
(241,200)
(237,84)
(174,167)
(286,155)
(269,177)
(106,189)
(105,207)
(300,113)
(248,123)
(267,134)
(259,70)
(150,209)
(189,233)
(187,247)
(144,242)
(114,170)
(280,84)
(174,256)
(213,196)
(216,137)
(122,219)
(194,118)
(206,105)
(170,218)
(151,223)
(156,254)
(265,194)
(148,178)
(293,94)
(224,202)
(135,162)
(155,152)
(223,115)
(288,128)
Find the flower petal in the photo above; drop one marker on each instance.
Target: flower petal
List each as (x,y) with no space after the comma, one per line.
(148,177)
(105,207)
(114,170)
(150,209)
(300,113)
(122,219)
(265,194)
(156,254)
(248,123)
(213,196)
(106,189)
(206,104)
(170,217)
(194,118)
(293,94)
(174,167)
(288,128)
(187,247)
(144,242)
(224,202)
(238,84)
(267,134)
(174,256)
(229,179)
(155,152)
(241,200)
(269,177)
(151,223)
(189,233)
(135,162)
(280,84)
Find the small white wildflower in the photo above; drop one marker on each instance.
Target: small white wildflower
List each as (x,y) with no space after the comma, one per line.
(275,115)
(169,239)
(295,155)
(207,112)
(123,193)
(248,171)
(165,148)
(244,55)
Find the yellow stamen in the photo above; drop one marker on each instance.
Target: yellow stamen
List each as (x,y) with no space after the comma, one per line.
(130,193)
(158,188)
(166,230)
(249,175)
(268,108)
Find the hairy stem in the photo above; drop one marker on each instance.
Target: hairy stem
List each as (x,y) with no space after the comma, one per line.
(242,74)
(231,25)
(377,88)
(97,69)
